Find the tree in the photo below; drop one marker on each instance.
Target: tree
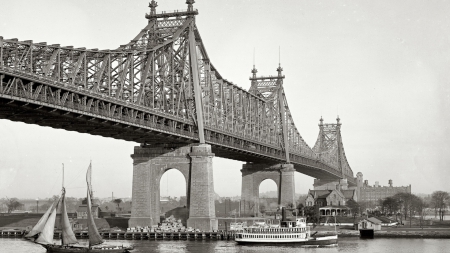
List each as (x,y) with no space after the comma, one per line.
(363,206)
(390,205)
(300,209)
(262,208)
(71,204)
(354,208)
(404,200)
(118,201)
(409,204)
(439,201)
(419,206)
(54,198)
(12,204)
(311,213)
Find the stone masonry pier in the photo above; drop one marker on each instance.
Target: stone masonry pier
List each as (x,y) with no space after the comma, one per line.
(252,176)
(194,162)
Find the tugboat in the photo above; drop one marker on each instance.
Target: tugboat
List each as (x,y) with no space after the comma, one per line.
(44,229)
(289,232)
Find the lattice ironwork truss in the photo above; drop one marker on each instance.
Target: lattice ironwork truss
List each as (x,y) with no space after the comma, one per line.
(330,148)
(162,80)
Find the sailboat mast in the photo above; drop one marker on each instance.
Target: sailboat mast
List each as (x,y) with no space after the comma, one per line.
(90,180)
(94,237)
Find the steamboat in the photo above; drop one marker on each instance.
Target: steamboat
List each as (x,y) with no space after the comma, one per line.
(287,232)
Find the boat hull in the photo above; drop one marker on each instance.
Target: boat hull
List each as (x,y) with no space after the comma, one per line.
(74,249)
(326,241)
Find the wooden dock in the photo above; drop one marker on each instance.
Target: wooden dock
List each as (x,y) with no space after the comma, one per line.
(122,235)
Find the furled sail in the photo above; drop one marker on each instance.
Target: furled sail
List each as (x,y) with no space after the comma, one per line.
(41,223)
(94,237)
(46,236)
(68,237)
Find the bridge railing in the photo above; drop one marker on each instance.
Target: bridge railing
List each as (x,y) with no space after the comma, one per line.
(93,111)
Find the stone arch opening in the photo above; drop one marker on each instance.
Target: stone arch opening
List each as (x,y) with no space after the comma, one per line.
(268,196)
(173,194)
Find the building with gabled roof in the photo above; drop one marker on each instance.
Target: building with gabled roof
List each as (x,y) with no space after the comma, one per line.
(370,223)
(330,202)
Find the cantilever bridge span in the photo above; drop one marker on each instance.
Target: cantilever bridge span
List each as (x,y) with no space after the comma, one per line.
(162,90)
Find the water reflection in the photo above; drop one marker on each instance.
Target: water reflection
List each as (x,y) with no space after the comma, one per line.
(350,245)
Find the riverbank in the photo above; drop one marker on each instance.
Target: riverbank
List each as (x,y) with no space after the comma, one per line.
(428,233)
(388,232)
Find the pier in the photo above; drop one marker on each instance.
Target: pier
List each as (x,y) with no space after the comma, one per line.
(123,235)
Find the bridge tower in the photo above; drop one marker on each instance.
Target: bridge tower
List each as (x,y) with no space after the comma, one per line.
(194,161)
(330,148)
(270,89)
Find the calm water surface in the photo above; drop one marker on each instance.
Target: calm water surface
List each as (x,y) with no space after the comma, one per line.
(345,245)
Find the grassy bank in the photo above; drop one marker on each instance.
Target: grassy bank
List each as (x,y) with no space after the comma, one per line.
(390,232)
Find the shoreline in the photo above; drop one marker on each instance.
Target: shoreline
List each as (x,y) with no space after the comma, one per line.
(395,234)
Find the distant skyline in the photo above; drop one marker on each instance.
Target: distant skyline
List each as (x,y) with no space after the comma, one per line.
(382,66)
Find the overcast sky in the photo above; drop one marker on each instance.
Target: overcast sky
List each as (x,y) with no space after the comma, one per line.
(381,65)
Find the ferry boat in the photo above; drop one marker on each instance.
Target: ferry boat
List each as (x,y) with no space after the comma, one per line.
(288,232)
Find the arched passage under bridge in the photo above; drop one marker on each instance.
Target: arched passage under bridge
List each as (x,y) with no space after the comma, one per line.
(172,192)
(254,174)
(194,162)
(268,196)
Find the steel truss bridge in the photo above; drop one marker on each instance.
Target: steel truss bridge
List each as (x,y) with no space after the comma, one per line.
(162,87)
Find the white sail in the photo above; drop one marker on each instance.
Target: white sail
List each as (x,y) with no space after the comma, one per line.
(68,237)
(46,236)
(41,223)
(94,237)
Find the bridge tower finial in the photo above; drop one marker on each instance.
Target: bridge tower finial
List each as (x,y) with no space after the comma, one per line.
(279,69)
(254,70)
(338,120)
(153,6)
(321,121)
(190,3)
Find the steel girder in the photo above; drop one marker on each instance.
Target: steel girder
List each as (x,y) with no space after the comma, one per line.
(330,147)
(163,79)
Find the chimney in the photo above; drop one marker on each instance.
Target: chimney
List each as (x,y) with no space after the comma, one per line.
(283,213)
(366,182)
(390,182)
(377,184)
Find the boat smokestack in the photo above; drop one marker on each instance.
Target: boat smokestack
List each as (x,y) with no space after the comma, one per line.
(283,213)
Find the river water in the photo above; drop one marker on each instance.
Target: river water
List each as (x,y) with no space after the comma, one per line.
(348,244)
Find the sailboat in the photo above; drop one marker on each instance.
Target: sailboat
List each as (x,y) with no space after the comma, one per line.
(43,231)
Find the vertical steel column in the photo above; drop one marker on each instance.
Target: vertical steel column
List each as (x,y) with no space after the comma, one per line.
(283,122)
(109,74)
(84,70)
(232,109)
(31,56)
(197,88)
(1,51)
(338,139)
(131,76)
(153,79)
